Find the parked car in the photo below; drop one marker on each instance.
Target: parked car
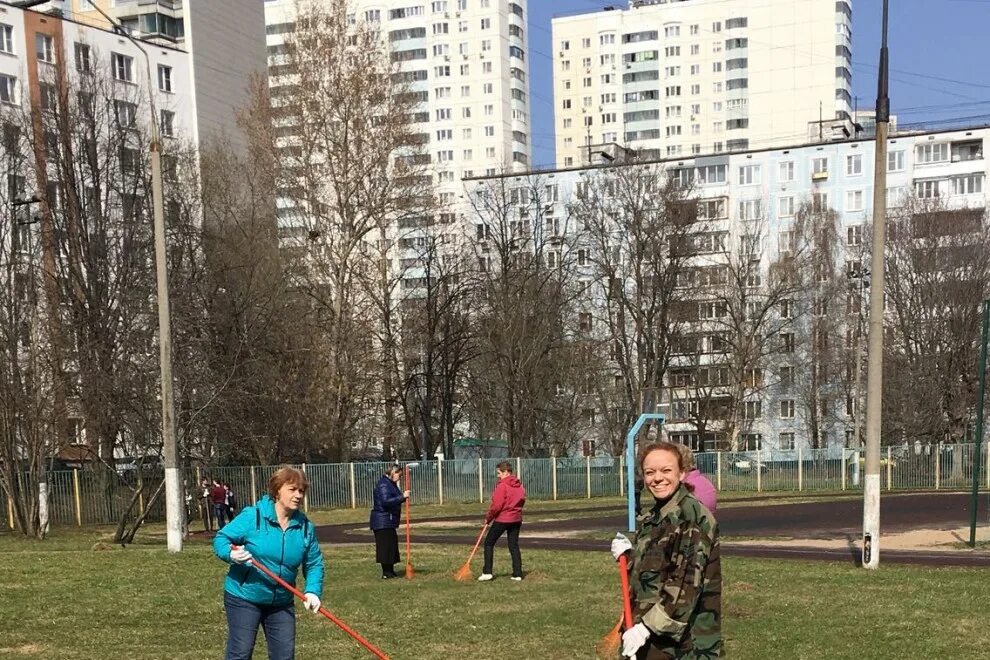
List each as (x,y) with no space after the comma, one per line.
(745,466)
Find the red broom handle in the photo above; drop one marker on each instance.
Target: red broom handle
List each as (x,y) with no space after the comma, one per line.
(408,555)
(626,604)
(324,611)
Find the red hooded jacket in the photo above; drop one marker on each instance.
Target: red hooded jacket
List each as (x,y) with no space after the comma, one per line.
(507,501)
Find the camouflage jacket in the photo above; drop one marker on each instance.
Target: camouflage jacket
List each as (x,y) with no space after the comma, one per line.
(676,579)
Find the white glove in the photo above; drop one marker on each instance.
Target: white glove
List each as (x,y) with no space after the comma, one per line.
(406,493)
(633,640)
(240,556)
(312,603)
(620,546)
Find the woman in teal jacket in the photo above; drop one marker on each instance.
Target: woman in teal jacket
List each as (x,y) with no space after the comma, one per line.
(278,535)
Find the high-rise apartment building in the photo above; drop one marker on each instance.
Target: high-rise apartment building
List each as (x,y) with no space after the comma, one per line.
(467,60)
(676,78)
(224,40)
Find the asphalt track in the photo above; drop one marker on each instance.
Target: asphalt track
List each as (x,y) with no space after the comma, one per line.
(820,520)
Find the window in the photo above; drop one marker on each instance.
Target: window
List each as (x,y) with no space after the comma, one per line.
(927,189)
(854,200)
(486,24)
(49,97)
(787,409)
(123,67)
(932,153)
(854,235)
(672,51)
(672,31)
(8,89)
(6,38)
(967,185)
(786,375)
(787,441)
(895,196)
(819,166)
(607,39)
(164,78)
(126,114)
(750,210)
(787,342)
(786,171)
(749,175)
(854,165)
(695,49)
(753,410)
(83,61)
(895,161)
(785,207)
(45,46)
(819,202)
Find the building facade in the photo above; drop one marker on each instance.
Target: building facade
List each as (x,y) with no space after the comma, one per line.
(699,76)
(750,208)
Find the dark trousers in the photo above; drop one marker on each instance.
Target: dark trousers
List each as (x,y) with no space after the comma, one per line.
(494,533)
(243,619)
(220,514)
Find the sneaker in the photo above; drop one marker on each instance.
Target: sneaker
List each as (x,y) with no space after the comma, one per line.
(387,577)
(516,578)
(485,577)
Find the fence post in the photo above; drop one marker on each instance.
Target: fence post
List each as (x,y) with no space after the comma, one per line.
(890,471)
(938,465)
(718,470)
(843,468)
(553,475)
(305,493)
(10,513)
(353,487)
(75,489)
(440,479)
(481,483)
(254,488)
(988,468)
(800,471)
(759,473)
(587,474)
(622,472)
(518,467)
(199,477)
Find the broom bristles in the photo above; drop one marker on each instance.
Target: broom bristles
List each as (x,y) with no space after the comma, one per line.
(608,646)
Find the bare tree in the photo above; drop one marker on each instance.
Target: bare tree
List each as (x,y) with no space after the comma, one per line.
(938,265)
(525,310)
(350,165)
(637,221)
(27,374)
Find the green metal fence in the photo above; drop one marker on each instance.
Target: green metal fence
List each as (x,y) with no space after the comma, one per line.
(80,497)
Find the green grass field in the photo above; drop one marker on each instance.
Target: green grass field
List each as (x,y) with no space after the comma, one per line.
(61,599)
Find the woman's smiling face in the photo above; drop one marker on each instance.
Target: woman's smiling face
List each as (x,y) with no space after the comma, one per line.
(662,472)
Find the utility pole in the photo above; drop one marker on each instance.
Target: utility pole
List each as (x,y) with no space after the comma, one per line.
(874,365)
(978,441)
(174,506)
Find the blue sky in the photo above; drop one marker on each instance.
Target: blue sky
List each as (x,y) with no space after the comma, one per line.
(938,58)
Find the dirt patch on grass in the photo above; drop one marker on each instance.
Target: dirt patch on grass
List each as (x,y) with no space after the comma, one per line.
(946,540)
(25,649)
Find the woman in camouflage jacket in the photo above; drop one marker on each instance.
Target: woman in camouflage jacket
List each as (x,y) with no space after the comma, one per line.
(675,572)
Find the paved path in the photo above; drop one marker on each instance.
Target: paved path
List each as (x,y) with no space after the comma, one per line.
(829,519)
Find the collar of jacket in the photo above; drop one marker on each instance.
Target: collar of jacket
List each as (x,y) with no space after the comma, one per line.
(266,505)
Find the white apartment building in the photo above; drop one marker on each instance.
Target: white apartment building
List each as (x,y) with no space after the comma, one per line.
(468,59)
(223,39)
(686,77)
(765,188)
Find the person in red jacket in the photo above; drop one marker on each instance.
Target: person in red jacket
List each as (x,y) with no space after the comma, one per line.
(505,515)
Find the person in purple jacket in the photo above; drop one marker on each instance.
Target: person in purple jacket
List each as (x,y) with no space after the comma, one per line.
(699,485)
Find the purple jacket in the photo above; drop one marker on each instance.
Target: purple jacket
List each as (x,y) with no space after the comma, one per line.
(701,488)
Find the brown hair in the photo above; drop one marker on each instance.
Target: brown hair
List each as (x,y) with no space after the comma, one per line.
(504,466)
(687,458)
(662,446)
(287,475)
(393,469)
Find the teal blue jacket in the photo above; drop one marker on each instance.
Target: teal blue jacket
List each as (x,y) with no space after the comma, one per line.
(284,552)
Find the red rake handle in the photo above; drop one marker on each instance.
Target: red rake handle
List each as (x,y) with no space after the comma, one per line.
(324,611)
(626,604)
(477,543)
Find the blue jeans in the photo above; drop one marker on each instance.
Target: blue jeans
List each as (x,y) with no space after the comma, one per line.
(220,513)
(243,618)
